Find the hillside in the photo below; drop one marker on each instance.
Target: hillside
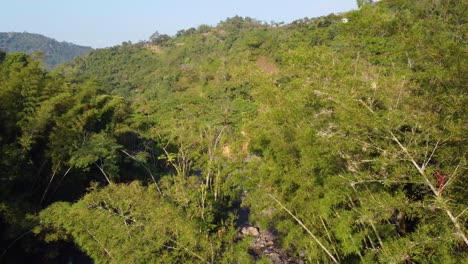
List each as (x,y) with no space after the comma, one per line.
(55,52)
(338,139)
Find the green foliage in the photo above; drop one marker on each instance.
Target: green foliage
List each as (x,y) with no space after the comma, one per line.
(114,225)
(100,150)
(348,140)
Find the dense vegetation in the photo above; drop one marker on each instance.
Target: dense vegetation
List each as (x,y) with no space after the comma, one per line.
(347,139)
(54,52)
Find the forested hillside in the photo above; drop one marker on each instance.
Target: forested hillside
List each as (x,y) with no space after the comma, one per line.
(54,52)
(339,139)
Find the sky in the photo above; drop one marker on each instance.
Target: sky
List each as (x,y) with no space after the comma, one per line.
(103,23)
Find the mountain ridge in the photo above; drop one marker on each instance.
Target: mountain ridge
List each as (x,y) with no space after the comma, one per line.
(55,52)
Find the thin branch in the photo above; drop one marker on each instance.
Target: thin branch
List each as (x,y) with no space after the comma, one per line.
(368,107)
(99,243)
(146,168)
(126,218)
(103,173)
(328,235)
(454,174)
(460,214)
(357,249)
(61,179)
(50,182)
(399,97)
(188,250)
(177,167)
(430,157)
(353,183)
(208,181)
(415,164)
(218,138)
(457,226)
(305,228)
(359,181)
(376,233)
(14,241)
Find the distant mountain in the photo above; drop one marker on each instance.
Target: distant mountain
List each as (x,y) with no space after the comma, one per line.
(55,52)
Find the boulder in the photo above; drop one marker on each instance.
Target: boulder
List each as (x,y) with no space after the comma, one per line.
(250,231)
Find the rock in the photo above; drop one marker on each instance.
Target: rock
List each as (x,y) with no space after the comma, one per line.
(275,258)
(268,236)
(250,231)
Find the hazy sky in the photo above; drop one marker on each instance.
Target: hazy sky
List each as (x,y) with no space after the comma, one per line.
(101,23)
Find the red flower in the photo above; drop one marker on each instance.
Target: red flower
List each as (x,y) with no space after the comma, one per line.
(440,179)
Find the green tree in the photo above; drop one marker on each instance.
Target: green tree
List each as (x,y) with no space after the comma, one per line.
(361,3)
(122,223)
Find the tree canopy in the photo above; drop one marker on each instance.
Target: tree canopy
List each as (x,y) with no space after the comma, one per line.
(334,142)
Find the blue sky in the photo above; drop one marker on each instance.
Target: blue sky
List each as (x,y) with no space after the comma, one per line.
(101,23)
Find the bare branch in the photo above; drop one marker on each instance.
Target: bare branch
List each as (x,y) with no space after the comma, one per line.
(430,157)
(460,214)
(454,174)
